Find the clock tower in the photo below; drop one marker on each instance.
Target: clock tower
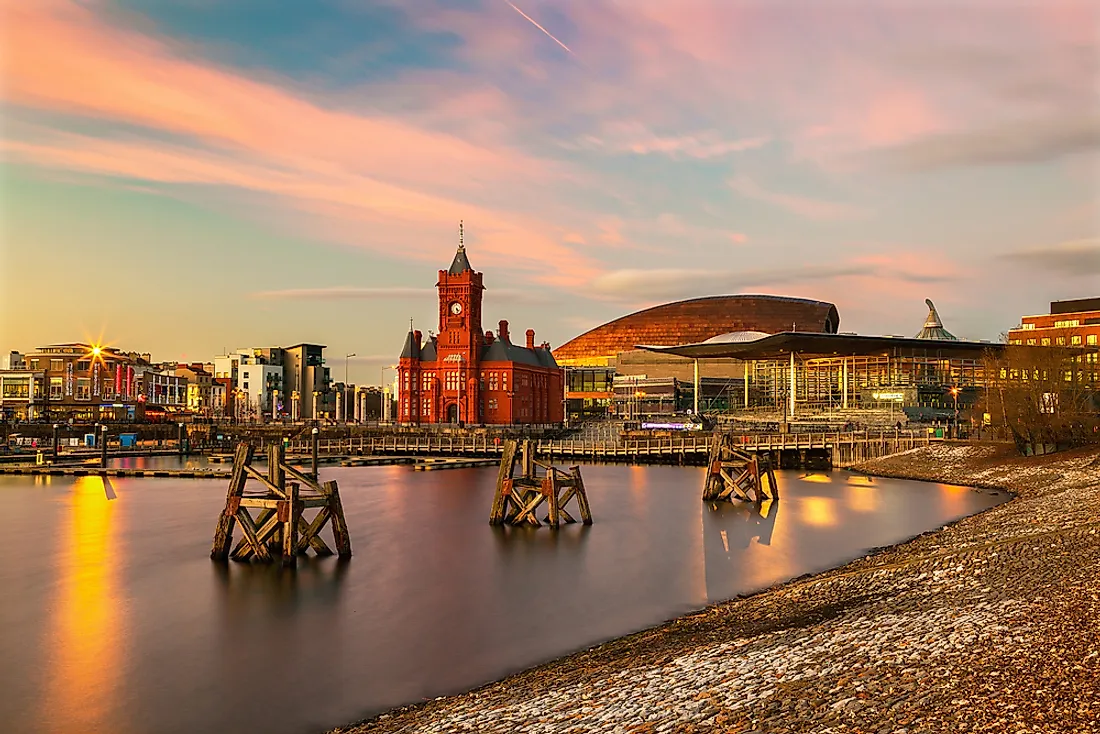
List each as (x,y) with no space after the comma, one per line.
(460,291)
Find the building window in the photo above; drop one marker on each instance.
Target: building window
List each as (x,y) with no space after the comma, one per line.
(34,364)
(1045,341)
(1067,324)
(1031,342)
(83,388)
(1091,340)
(1075,340)
(19,388)
(1060,341)
(56,365)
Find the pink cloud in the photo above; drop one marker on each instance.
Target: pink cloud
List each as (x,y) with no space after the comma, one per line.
(257,136)
(803,206)
(738,238)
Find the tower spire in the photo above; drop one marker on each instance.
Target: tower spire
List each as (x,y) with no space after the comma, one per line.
(461,263)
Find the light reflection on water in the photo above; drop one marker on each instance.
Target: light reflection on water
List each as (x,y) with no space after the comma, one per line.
(84,648)
(114,618)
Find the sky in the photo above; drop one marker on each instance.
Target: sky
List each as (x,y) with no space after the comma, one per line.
(184,177)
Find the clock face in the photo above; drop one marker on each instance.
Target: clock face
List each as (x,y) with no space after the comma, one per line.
(456,308)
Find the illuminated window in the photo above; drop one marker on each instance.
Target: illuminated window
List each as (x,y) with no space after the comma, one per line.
(1060,341)
(1075,340)
(1045,341)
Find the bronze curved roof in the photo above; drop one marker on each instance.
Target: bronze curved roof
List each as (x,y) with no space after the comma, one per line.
(698,319)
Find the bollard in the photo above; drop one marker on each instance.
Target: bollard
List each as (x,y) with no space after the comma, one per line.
(313,462)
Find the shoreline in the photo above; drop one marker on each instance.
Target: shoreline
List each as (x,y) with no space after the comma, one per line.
(916,636)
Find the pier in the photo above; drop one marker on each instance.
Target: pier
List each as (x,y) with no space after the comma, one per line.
(787,450)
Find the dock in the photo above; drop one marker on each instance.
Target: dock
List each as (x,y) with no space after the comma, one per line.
(84,471)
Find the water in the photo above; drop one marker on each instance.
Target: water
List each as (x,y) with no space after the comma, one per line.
(114,619)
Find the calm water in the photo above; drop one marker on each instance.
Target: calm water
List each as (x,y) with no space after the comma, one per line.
(114,619)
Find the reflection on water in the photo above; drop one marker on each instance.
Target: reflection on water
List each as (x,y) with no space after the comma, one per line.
(114,619)
(84,645)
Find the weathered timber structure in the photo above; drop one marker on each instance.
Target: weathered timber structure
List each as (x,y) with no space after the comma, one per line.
(281,525)
(736,474)
(518,498)
(787,450)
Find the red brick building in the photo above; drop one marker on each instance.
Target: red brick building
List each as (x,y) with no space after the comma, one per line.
(466,375)
(1069,324)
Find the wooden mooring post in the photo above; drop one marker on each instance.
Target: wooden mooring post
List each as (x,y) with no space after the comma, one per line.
(735,474)
(281,525)
(518,498)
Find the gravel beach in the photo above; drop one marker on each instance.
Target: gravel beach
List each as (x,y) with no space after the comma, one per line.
(991,624)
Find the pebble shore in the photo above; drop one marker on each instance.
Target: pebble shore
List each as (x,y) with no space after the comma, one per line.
(991,624)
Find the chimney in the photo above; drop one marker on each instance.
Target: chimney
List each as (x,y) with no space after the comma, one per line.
(502,330)
(546,346)
(418,338)
(530,338)
(489,338)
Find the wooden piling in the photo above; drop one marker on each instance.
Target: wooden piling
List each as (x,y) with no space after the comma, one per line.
(281,527)
(518,498)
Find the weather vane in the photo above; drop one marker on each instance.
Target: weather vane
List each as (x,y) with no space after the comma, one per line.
(460,238)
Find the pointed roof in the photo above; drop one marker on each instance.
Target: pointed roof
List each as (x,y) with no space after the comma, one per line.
(933,327)
(461,263)
(411,350)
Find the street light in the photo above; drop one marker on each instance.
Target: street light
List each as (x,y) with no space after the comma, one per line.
(955,396)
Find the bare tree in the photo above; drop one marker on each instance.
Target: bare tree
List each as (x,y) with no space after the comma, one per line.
(1044,396)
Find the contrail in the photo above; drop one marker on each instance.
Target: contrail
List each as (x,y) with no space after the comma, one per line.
(535,23)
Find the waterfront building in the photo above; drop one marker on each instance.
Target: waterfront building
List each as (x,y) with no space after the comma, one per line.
(466,375)
(606,371)
(12,361)
(85,382)
(1073,323)
(22,394)
(199,388)
(798,373)
(261,386)
(282,382)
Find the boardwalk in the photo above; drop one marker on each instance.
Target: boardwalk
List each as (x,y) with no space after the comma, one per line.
(837,449)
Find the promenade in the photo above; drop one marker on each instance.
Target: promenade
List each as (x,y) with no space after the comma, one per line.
(989,625)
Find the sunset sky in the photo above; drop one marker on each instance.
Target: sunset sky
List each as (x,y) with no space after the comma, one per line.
(185,176)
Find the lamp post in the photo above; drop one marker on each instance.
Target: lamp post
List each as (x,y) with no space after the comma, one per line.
(955,396)
(56,439)
(313,461)
(179,438)
(103,446)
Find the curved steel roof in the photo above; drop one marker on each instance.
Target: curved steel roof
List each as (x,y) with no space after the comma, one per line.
(698,319)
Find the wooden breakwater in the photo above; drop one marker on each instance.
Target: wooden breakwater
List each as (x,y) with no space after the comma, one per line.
(784,450)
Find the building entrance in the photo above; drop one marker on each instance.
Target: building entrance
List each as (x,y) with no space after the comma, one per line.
(452,413)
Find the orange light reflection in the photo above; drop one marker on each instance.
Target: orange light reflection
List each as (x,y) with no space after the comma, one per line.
(84,661)
(819,511)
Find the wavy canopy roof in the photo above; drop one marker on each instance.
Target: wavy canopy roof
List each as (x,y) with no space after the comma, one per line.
(699,319)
